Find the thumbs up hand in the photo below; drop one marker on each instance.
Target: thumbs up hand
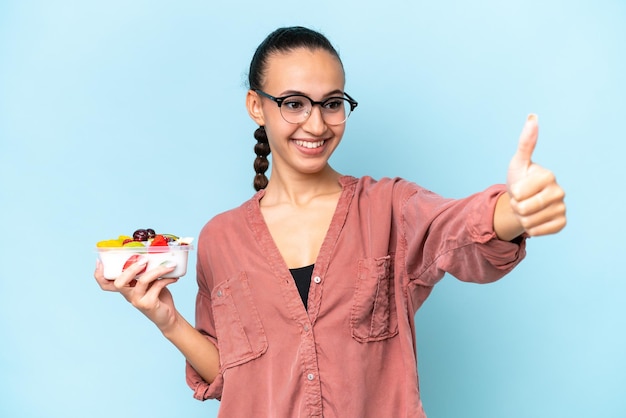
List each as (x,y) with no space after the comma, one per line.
(536,200)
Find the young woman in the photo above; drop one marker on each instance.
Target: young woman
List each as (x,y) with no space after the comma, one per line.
(308,291)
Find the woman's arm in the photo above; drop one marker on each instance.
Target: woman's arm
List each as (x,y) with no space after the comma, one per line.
(534,202)
(150,295)
(201,353)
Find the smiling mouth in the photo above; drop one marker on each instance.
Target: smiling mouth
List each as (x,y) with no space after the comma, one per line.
(309,144)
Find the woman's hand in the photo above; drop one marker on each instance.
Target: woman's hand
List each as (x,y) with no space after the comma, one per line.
(534,199)
(147,292)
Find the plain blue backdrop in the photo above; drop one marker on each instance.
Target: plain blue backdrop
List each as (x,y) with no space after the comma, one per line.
(116,115)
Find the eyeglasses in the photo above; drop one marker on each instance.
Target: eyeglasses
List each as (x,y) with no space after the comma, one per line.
(296,108)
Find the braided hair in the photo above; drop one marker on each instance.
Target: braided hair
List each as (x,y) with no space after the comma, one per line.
(262,150)
(280,41)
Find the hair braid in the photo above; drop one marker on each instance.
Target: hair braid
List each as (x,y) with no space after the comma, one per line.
(261,163)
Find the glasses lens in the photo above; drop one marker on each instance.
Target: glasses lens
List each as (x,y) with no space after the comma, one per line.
(335,110)
(296,109)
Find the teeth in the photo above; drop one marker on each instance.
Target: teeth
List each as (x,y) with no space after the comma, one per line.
(307,144)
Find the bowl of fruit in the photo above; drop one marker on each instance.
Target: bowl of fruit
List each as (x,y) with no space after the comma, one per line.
(119,253)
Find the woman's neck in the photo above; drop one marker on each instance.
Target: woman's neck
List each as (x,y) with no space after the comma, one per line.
(300,189)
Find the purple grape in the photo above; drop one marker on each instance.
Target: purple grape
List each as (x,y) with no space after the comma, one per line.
(140,235)
(151,233)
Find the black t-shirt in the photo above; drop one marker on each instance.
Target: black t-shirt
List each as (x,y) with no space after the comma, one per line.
(302,277)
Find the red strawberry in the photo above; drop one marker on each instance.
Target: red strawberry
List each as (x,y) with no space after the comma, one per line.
(132,260)
(159,241)
(158,244)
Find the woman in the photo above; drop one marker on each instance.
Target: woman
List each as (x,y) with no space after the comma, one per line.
(309,289)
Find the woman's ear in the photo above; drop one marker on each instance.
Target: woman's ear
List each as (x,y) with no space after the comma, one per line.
(253,104)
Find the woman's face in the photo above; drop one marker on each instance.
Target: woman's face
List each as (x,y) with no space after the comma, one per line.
(305,147)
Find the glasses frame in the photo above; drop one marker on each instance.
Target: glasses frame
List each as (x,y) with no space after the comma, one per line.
(279,101)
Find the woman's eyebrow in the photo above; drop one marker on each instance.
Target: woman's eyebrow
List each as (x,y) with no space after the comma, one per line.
(329,94)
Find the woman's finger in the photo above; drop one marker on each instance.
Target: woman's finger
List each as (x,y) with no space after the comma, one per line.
(548,196)
(547,220)
(147,279)
(126,279)
(152,297)
(537,179)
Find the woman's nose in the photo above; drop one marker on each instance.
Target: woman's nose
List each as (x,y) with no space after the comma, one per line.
(315,122)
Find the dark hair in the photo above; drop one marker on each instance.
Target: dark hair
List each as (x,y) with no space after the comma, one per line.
(280,41)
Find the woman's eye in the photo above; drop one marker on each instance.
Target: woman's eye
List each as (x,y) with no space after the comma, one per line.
(333,104)
(294,104)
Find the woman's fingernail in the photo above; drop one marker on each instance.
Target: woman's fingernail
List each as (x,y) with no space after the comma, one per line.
(533,116)
(168,263)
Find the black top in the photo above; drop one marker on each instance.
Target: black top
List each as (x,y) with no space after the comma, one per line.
(302,277)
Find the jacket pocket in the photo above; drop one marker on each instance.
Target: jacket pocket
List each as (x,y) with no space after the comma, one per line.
(373,316)
(238,327)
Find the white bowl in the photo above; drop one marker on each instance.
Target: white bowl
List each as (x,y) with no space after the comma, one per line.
(114,258)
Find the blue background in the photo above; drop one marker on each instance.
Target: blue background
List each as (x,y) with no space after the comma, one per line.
(118,115)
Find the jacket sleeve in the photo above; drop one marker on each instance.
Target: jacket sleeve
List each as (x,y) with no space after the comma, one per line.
(456,237)
(202,390)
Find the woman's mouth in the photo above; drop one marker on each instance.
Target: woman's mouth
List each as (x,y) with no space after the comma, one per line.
(309,144)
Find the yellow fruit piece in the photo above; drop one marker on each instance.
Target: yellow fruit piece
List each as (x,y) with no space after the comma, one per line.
(109,243)
(123,238)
